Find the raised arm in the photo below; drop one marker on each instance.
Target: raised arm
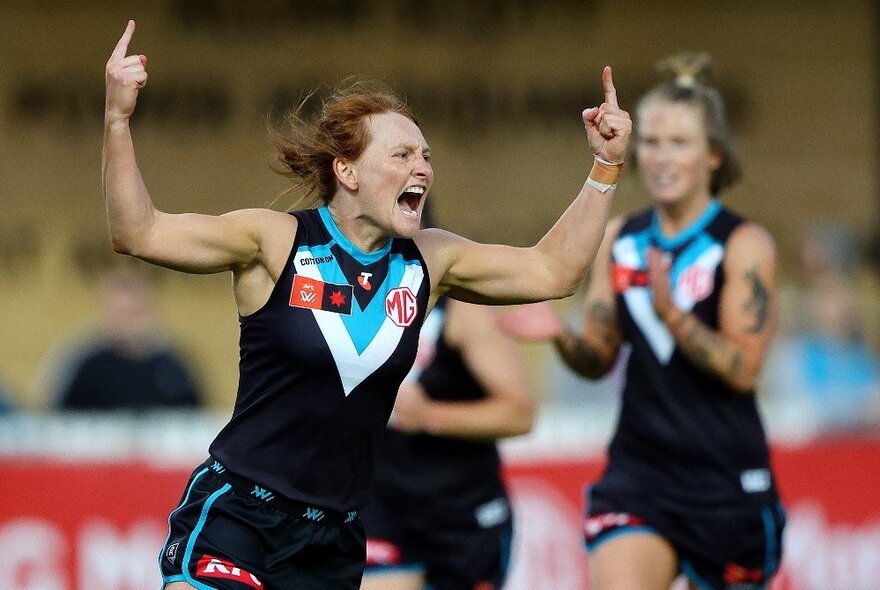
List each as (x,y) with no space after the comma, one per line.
(188,242)
(735,351)
(555,266)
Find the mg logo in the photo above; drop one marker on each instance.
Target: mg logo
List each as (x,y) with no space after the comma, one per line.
(401,306)
(697,282)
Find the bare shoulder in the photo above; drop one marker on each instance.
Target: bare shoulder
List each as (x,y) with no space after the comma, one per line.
(439,248)
(751,242)
(272,231)
(432,238)
(265,225)
(259,218)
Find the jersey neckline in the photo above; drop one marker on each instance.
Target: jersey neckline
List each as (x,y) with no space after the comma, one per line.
(689,232)
(348,245)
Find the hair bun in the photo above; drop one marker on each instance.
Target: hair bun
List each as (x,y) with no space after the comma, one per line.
(688,69)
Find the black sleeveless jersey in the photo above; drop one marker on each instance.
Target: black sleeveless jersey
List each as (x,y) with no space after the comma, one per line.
(447,471)
(683,437)
(321,363)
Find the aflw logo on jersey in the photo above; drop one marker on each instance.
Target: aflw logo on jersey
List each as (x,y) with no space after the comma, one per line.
(401,306)
(314,294)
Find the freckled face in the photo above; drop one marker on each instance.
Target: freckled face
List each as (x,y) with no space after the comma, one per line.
(394,174)
(674,156)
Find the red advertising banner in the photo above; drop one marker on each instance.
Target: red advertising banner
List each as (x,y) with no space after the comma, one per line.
(81,525)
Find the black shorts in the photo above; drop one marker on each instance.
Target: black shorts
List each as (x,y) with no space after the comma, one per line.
(222,537)
(722,548)
(452,553)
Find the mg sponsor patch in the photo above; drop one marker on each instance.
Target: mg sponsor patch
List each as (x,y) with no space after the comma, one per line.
(401,306)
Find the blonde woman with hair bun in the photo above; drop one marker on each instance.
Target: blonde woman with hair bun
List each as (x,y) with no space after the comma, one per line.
(689,286)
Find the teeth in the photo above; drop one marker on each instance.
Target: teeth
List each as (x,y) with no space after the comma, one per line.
(419,190)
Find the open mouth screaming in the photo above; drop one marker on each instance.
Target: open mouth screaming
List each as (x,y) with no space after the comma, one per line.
(408,201)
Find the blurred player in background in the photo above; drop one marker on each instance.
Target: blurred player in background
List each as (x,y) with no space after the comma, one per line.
(330,301)
(440,516)
(691,287)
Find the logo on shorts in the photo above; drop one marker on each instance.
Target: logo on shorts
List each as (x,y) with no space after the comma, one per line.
(171,552)
(598,525)
(262,493)
(755,480)
(742,577)
(382,552)
(214,567)
(313,514)
(401,306)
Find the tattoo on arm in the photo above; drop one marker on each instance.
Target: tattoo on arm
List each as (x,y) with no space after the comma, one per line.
(758,303)
(701,345)
(601,315)
(582,356)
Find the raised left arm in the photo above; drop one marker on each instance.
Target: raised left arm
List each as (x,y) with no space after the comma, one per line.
(734,353)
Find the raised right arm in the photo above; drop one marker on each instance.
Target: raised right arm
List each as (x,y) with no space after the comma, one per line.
(188,242)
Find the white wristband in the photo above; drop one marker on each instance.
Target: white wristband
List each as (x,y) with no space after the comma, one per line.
(600,186)
(606,162)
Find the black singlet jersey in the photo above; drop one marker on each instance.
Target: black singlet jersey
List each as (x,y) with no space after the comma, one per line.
(321,363)
(683,437)
(422,466)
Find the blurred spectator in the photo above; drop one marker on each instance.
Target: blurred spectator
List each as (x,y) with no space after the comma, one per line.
(128,365)
(822,372)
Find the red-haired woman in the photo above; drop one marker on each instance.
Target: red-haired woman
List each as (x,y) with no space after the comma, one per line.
(330,300)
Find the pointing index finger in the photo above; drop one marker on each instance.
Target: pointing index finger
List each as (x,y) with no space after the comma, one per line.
(122,46)
(608,86)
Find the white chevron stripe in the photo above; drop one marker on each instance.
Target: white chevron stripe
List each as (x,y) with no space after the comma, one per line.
(638,299)
(353,368)
(641,308)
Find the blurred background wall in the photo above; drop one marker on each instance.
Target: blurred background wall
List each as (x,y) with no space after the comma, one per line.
(499,86)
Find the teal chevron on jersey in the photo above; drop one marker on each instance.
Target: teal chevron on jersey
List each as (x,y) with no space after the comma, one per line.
(364,339)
